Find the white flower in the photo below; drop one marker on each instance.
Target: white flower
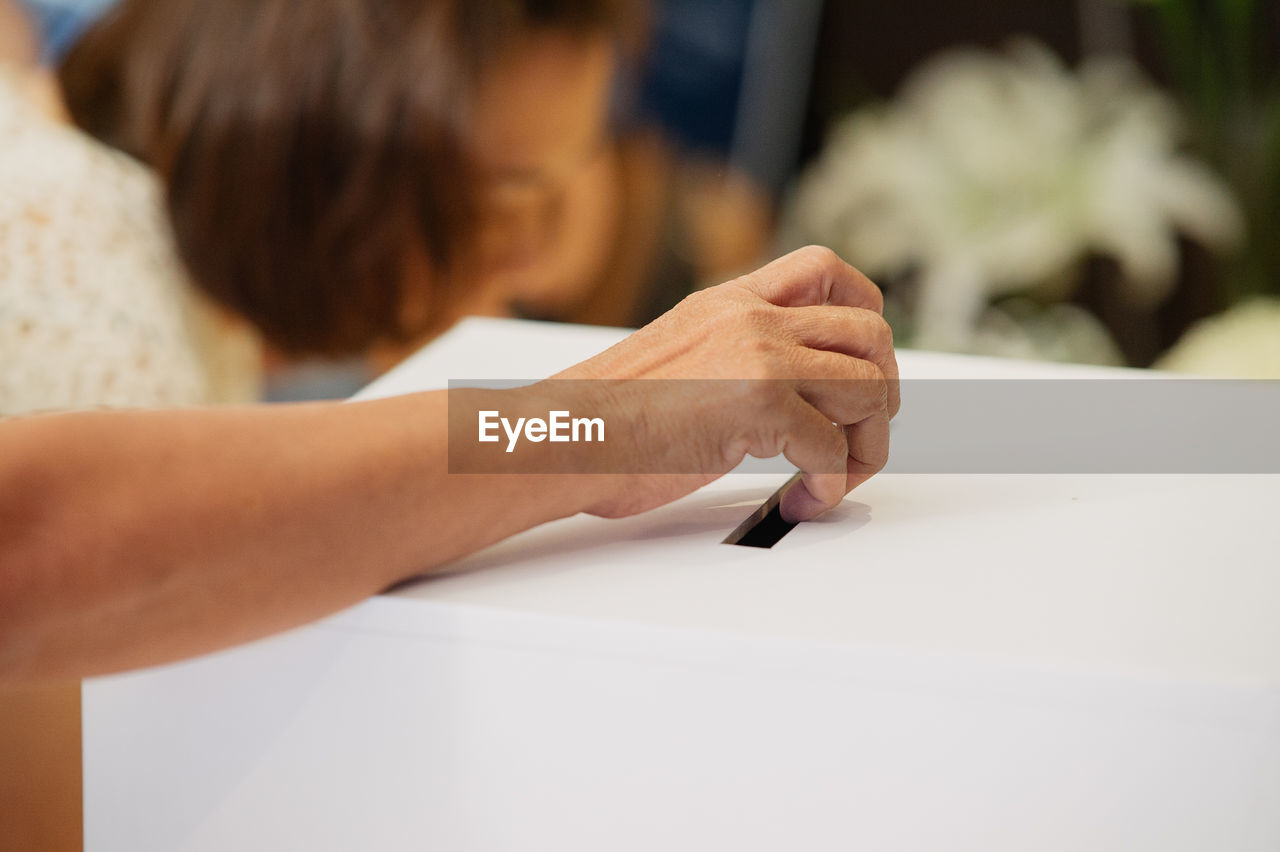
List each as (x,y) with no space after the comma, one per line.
(1064,332)
(1243,343)
(991,174)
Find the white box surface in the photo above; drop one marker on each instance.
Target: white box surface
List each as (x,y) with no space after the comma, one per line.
(945,662)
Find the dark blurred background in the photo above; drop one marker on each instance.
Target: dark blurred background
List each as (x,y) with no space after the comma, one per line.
(726,157)
(1222,77)
(823,61)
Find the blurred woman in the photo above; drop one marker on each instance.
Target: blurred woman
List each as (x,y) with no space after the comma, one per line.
(347,174)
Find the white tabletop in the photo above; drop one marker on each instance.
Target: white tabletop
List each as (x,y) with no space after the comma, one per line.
(994,663)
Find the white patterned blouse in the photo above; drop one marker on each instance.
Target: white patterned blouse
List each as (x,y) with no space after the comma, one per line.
(94,307)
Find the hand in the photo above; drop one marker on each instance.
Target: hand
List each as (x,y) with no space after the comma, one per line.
(807,335)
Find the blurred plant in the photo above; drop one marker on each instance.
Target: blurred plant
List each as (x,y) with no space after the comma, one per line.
(1222,59)
(1242,343)
(996,174)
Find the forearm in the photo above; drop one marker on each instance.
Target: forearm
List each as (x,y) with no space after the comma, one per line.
(133,538)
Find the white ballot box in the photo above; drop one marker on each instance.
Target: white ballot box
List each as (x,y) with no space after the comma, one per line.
(1002,663)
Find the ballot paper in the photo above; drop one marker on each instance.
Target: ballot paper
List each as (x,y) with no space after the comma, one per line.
(986,662)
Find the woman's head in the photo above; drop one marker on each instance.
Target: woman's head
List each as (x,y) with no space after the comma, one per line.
(324,158)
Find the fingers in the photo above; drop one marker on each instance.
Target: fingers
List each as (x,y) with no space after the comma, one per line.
(868,443)
(865,447)
(846,390)
(834,308)
(811,442)
(799,505)
(814,276)
(854,332)
(806,347)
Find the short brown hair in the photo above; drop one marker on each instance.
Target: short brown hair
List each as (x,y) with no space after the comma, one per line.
(306,145)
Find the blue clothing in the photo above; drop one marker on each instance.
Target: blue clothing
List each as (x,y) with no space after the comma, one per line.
(730,78)
(694,78)
(62,22)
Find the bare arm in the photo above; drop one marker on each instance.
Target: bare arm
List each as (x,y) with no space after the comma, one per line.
(133,538)
(155,535)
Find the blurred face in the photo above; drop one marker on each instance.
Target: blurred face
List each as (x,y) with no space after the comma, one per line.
(541,143)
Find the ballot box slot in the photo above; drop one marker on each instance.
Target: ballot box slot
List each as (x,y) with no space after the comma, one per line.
(765,527)
(766,532)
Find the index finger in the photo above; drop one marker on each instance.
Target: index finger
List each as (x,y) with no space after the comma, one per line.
(814,276)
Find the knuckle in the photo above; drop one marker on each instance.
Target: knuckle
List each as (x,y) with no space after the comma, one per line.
(886,332)
(743,316)
(821,256)
(880,393)
(765,441)
(759,316)
(704,296)
(871,381)
(880,335)
(877,297)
